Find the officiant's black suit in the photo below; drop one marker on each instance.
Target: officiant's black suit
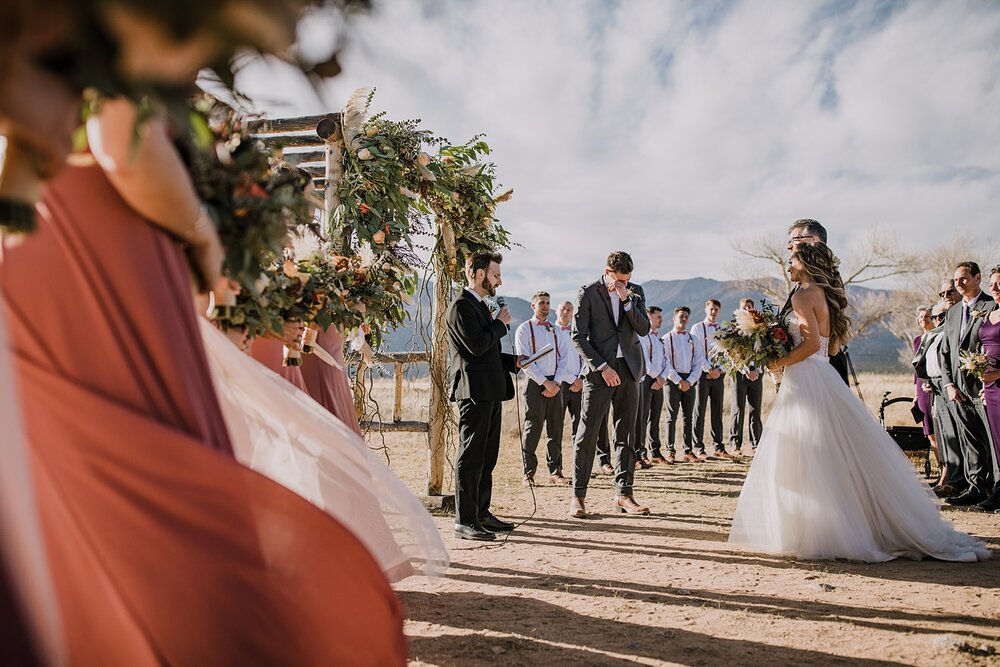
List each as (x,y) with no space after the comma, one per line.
(480,382)
(597,335)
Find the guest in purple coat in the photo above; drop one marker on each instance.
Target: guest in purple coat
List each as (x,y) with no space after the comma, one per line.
(989,336)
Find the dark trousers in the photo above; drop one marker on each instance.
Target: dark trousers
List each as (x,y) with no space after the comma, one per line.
(478,448)
(642,415)
(542,412)
(677,401)
(597,398)
(974,440)
(746,401)
(652,430)
(839,363)
(946,431)
(710,393)
(572,402)
(603,442)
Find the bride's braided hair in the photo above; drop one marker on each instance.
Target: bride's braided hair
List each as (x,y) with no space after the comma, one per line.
(823,268)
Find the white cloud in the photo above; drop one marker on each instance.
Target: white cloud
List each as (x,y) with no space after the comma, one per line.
(670,128)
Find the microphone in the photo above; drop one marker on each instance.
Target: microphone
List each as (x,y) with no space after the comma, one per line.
(501,302)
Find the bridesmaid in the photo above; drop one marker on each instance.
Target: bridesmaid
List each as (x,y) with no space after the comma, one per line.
(328,385)
(923,400)
(989,336)
(163,549)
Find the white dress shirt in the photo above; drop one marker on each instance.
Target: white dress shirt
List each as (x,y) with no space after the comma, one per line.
(933,357)
(681,354)
(704,334)
(652,352)
(571,367)
(532,336)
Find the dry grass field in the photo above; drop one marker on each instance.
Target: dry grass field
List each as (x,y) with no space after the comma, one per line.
(668,589)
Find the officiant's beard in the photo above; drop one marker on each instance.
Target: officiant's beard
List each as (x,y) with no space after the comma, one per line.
(488,287)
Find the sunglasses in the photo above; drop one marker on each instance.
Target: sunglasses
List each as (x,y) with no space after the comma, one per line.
(937,317)
(947,292)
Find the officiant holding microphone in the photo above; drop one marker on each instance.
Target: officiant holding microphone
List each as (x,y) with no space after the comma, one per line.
(480,382)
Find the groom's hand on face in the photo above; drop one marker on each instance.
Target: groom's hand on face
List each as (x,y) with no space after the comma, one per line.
(610,376)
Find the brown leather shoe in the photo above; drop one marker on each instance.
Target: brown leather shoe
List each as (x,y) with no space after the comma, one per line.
(671,459)
(608,469)
(627,505)
(722,455)
(558,479)
(577,510)
(643,464)
(529,480)
(658,459)
(702,456)
(691,458)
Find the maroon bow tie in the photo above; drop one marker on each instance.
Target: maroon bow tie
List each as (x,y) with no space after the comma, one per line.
(565,327)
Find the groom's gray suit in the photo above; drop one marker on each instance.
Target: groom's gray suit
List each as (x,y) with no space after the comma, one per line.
(970,416)
(598,334)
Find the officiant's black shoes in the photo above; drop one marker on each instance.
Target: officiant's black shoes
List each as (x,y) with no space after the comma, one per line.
(991,504)
(496,525)
(464,532)
(967,497)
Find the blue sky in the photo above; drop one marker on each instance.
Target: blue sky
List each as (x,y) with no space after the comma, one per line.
(675,129)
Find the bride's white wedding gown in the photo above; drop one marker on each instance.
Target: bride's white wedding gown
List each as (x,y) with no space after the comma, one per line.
(282,433)
(828,482)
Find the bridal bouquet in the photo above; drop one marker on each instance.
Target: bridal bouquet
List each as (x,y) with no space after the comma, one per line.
(752,337)
(976,364)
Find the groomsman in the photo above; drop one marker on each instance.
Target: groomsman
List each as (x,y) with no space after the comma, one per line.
(650,389)
(542,392)
(683,362)
(748,392)
(927,366)
(480,382)
(571,381)
(610,317)
(712,386)
(961,332)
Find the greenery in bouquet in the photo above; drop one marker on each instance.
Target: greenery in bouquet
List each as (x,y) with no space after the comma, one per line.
(751,337)
(280,294)
(975,363)
(462,195)
(253,199)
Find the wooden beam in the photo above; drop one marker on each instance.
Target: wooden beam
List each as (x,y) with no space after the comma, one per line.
(297,124)
(397,404)
(395,427)
(293,140)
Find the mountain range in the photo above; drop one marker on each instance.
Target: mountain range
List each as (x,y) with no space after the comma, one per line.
(876,351)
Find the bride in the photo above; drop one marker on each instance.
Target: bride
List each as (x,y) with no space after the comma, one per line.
(828,482)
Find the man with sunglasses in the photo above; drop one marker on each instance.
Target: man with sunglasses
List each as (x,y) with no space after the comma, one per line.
(949,295)
(811,232)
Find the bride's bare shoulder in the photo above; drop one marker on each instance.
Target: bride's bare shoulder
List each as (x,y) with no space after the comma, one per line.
(808,295)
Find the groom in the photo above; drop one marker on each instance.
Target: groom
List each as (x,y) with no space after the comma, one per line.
(809,231)
(610,317)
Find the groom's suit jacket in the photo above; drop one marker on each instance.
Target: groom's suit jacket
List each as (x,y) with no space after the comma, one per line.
(597,337)
(954,342)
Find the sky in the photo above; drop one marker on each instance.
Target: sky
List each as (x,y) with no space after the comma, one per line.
(675,130)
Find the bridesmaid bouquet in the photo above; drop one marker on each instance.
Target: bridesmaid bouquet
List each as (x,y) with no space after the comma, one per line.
(752,337)
(976,364)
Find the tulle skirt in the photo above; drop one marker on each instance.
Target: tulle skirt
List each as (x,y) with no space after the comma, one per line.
(282,433)
(829,483)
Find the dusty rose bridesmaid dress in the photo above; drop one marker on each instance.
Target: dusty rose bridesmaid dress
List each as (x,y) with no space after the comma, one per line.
(328,385)
(271,353)
(163,549)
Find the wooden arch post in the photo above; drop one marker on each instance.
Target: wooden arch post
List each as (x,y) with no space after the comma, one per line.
(439,401)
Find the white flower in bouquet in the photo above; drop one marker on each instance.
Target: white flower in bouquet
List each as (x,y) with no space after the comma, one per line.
(365,154)
(423,159)
(366,255)
(305,245)
(747,323)
(261,283)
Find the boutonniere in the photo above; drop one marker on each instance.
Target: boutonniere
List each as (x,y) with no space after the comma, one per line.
(975,314)
(631,294)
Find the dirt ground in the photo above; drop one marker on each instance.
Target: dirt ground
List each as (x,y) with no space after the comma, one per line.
(668,589)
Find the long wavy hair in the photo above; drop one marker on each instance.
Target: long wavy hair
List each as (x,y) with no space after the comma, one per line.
(823,269)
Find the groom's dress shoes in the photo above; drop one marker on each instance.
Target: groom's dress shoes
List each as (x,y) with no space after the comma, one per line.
(558,479)
(969,497)
(627,505)
(496,525)
(577,509)
(945,491)
(643,464)
(464,532)
(991,504)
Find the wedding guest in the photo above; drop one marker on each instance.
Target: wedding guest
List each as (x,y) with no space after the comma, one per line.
(922,399)
(480,382)
(927,367)
(989,336)
(748,392)
(683,364)
(542,392)
(711,387)
(159,542)
(961,332)
(650,388)
(610,317)
(571,383)
(948,294)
